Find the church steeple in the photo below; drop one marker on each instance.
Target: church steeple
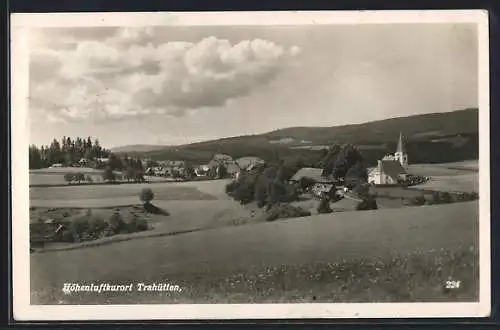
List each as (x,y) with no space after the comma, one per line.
(400,153)
(400,148)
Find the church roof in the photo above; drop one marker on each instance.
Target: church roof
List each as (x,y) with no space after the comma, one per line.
(391,168)
(401,147)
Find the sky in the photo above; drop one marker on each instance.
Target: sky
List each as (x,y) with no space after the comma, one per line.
(178,84)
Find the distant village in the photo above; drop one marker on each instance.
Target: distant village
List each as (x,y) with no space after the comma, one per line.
(390,170)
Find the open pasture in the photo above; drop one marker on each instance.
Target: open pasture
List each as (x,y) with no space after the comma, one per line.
(331,238)
(444,169)
(125,192)
(64,170)
(455,183)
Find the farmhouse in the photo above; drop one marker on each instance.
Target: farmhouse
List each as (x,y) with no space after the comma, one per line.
(247,163)
(83,162)
(314,174)
(102,160)
(390,170)
(201,170)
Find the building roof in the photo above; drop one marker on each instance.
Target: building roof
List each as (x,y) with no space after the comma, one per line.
(391,167)
(311,173)
(246,162)
(401,147)
(232,168)
(222,157)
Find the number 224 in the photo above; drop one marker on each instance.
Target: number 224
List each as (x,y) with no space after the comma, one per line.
(452,284)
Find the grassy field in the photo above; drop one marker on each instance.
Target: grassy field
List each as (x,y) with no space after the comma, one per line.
(55,176)
(110,195)
(391,254)
(444,169)
(293,252)
(456,177)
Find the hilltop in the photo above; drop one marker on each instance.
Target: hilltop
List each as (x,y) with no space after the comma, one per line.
(431,138)
(138,148)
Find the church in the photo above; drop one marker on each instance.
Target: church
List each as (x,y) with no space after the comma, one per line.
(391,170)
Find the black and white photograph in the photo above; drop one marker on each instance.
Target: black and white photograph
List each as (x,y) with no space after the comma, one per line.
(228,165)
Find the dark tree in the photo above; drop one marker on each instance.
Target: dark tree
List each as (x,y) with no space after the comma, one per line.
(35,158)
(109,175)
(324,206)
(146,195)
(69,177)
(356,174)
(339,160)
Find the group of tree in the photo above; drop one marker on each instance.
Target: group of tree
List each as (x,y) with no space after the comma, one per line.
(266,184)
(346,163)
(66,151)
(130,169)
(77,178)
(218,171)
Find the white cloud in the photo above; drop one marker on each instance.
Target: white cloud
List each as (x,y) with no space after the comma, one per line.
(123,76)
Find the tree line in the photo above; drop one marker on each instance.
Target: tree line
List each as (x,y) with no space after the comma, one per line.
(67,151)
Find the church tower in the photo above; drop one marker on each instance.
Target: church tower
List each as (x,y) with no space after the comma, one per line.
(400,153)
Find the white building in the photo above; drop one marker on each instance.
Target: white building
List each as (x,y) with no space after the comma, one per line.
(391,169)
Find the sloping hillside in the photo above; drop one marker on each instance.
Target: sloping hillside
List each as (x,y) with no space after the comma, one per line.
(138,148)
(431,138)
(417,128)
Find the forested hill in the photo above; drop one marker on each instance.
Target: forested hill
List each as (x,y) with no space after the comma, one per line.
(430,138)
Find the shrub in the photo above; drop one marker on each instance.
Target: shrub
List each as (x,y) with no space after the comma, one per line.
(324,206)
(445,197)
(286,211)
(69,177)
(435,199)
(79,228)
(333,196)
(419,200)
(116,223)
(96,227)
(362,190)
(79,177)
(109,175)
(89,179)
(368,203)
(146,195)
(231,187)
(137,224)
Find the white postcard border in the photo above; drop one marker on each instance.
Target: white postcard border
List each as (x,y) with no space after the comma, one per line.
(20,25)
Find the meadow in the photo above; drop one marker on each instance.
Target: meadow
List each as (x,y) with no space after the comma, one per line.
(221,251)
(453,177)
(55,176)
(295,258)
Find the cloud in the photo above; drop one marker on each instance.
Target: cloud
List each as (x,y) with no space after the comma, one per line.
(128,75)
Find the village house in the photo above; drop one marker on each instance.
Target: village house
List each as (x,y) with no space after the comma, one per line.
(102,160)
(314,174)
(84,162)
(201,170)
(249,162)
(390,170)
(322,185)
